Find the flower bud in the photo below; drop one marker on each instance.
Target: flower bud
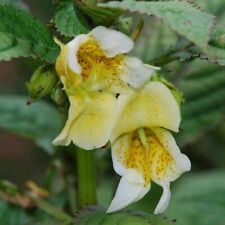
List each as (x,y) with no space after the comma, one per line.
(124,24)
(58,95)
(42,82)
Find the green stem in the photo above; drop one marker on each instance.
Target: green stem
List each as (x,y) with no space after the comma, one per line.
(86,177)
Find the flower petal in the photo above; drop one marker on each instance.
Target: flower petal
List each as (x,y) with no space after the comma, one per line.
(130,159)
(111,41)
(164,200)
(168,163)
(137,72)
(67,65)
(152,106)
(73,47)
(127,193)
(77,105)
(118,151)
(92,129)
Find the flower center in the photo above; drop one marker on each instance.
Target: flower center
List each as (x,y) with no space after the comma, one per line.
(147,154)
(98,68)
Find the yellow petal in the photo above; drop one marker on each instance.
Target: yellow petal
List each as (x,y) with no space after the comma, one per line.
(92,129)
(152,106)
(77,105)
(168,163)
(68,77)
(90,121)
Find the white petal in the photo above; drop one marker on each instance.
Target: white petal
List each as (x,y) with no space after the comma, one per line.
(164,200)
(126,194)
(73,47)
(138,72)
(111,41)
(134,177)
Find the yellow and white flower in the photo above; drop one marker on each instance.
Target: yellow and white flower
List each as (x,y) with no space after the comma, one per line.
(94,68)
(143,150)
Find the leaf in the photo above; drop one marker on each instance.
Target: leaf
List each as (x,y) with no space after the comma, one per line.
(204,91)
(14,215)
(39,121)
(181,16)
(68,20)
(215,51)
(18,3)
(199,199)
(154,40)
(21,35)
(121,218)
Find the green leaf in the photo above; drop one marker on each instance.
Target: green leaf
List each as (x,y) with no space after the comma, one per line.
(215,51)
(14,215)
(155,41)
(97,217)
(199,199)
(68,20)
(38,121)
(204,93)
(21,35)
(18,3)
(181,16)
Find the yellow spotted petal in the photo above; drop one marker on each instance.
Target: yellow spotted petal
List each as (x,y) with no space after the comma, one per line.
(155,157)
(168,163)
(152,106)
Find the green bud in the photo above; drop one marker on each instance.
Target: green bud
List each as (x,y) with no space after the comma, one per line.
(42,82)
(58,95)
(124,24)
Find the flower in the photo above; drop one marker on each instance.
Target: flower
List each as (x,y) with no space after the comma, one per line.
(143,150)
(94,69)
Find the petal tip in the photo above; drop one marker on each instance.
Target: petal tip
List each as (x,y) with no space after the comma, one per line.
(164,200)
